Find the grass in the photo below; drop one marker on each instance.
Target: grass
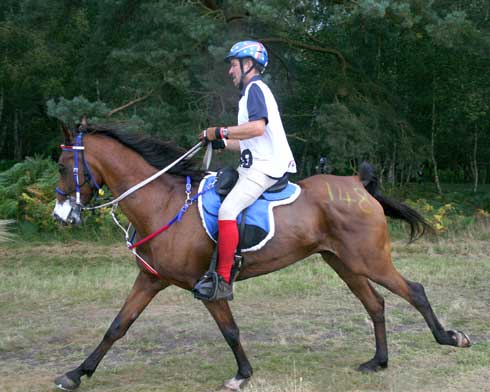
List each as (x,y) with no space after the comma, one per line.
(302,328)
(5,235)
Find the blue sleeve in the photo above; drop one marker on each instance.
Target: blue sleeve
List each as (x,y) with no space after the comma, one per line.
(256,107)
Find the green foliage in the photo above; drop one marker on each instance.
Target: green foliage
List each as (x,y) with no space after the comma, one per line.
(71,111)
(453,212)
(348,135)
(27,194)
(354,80)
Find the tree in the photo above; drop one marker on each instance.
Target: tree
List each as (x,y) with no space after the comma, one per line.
(392,81)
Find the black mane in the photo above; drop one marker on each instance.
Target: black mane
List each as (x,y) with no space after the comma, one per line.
(156,152)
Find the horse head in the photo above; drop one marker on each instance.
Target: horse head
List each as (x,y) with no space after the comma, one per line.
(77,183)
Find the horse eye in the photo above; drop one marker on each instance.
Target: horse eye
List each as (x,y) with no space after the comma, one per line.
(61,168)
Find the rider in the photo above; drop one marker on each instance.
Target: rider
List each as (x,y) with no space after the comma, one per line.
(265,152)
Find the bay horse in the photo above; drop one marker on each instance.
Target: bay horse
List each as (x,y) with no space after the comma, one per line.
(341,218)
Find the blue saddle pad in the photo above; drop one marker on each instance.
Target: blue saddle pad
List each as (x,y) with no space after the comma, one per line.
(259,221)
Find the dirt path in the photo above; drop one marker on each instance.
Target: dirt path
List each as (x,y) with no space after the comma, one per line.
(301,326)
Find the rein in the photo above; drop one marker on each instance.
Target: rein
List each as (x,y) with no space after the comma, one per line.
(189,154)
(78,148)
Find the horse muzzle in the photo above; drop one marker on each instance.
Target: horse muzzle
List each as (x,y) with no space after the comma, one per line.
(68,212)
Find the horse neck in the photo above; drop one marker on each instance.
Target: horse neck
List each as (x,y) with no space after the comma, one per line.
(121,168)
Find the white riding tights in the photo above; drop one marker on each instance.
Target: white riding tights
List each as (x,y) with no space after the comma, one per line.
(250,185)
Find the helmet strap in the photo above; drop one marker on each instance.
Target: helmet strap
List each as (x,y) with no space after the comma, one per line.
(244,74)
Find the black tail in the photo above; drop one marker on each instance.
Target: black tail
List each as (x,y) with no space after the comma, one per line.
(392,208)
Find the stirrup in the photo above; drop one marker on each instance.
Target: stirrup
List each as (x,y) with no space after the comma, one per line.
(212,287)
(236,267)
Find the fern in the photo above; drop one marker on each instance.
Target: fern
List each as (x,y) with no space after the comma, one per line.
(27,188)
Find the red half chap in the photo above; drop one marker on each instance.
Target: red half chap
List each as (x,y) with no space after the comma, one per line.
(227,243)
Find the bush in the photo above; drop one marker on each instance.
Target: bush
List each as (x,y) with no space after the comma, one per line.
(27,194)
(456,209)
(27,189)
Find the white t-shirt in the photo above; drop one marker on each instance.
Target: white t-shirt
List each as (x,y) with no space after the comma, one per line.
(269,153)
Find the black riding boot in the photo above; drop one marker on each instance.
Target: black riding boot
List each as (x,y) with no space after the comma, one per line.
(212,287)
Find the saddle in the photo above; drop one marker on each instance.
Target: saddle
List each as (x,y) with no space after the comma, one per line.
(227,177)
(256,223)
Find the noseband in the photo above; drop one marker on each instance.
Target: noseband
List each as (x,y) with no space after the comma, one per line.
(89,179)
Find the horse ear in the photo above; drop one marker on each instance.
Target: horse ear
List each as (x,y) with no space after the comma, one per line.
(68,136)
(83,121)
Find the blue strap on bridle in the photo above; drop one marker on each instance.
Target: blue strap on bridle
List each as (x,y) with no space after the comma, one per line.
(90,175)
(78,143)
(77,147)
(60,192)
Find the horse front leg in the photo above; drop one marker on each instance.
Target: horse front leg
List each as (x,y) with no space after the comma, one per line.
(144,289)
(221,312)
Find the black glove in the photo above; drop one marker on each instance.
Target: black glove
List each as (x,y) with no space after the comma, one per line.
(218,144)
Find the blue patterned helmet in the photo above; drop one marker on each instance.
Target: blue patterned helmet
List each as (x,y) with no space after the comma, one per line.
(252,49)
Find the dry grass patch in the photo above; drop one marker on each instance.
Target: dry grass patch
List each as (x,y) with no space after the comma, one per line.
(301,327)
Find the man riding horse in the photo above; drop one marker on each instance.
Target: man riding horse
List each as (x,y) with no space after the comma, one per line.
(265,155)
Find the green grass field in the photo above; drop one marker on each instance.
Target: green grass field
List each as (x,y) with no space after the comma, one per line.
(302,328)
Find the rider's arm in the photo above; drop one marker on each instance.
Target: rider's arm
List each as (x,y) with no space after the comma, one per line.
(233,145)
(244,131)
(247,130)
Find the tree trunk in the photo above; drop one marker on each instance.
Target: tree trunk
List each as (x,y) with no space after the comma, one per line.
(1,106)
(409,173)
(2,128)
(474,162)
(17,141)
(391,170)
(432,142)
(303,161)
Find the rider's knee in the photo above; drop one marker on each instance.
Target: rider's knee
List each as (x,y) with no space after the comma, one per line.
(227,211)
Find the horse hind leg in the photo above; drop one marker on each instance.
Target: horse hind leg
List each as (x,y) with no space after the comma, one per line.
(374,304)
(144,289)
(221,313)
(414,293)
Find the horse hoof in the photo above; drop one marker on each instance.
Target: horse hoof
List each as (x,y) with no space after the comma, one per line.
(372,366)
(235,384)
(460,339)
(66,384)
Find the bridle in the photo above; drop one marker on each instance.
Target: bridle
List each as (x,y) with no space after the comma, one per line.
(77,148)
(89,179)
